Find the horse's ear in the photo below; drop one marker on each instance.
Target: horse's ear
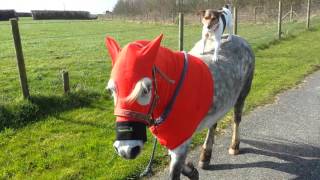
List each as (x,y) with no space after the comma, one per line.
(113,48)
(151,49)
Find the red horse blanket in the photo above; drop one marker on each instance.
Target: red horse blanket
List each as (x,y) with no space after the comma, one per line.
(135,62)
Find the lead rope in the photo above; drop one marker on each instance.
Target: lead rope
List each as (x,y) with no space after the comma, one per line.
(148,171)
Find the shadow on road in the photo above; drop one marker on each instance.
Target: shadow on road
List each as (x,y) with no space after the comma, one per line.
(301,160)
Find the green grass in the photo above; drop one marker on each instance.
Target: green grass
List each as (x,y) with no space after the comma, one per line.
(71,137)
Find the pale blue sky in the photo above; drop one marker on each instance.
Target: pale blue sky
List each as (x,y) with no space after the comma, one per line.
(94,6)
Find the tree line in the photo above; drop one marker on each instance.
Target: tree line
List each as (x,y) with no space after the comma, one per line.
(170,7)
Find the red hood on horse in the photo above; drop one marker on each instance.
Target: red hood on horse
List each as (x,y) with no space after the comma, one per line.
(142,61)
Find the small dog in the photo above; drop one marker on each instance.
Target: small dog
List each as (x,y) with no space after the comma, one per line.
(214,23)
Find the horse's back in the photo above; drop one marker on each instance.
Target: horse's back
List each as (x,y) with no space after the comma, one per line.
(230,74)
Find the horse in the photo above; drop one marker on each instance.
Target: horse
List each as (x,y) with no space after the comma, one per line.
(175,95)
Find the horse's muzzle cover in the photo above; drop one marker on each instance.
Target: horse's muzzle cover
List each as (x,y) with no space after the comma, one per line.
(131,130)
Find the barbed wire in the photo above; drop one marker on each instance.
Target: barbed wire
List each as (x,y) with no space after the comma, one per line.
(10,79)
(84,35)
(7,70)
(45,22)
(4,24)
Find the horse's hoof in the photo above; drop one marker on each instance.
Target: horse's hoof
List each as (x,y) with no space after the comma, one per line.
(234,148)
(233,151)
(205,157)
(194,175)
(203,164)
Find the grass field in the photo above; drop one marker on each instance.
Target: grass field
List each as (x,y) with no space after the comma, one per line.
(72,136)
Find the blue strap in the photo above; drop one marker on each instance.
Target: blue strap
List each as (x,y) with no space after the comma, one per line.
(168,109)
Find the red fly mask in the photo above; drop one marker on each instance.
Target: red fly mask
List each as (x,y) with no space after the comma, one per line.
(177,90)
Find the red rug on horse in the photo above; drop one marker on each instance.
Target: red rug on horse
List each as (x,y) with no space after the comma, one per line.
(136,61)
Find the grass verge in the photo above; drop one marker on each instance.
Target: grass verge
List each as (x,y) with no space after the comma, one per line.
(77,143)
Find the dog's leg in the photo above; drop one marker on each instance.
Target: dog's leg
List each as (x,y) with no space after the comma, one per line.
(217,42)
(216,49)
(230,33)
(204,42)
(205,36)
(230,29)
(178,157)
(206,149)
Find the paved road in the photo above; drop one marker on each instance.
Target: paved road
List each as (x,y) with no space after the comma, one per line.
(278,141)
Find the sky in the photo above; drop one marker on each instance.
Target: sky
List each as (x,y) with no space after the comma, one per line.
(94,6)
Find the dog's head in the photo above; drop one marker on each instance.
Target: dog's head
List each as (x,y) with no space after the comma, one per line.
(210,18)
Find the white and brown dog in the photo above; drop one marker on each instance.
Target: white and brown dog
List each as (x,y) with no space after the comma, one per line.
(214,23)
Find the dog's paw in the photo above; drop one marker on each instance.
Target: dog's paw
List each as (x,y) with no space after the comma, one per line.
(203,52)
(229,38)
(215,58)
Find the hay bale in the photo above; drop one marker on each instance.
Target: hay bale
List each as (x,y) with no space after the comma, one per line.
(75,15)
(6,14)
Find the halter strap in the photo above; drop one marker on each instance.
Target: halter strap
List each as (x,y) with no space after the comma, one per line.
(168,109)
(148,118)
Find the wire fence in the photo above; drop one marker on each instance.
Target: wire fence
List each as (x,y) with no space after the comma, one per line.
(52,46)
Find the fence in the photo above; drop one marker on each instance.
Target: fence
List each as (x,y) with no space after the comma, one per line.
(50,47)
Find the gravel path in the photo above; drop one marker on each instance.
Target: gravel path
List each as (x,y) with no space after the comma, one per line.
(278,141)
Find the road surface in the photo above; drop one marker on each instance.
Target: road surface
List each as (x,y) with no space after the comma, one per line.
(278,141)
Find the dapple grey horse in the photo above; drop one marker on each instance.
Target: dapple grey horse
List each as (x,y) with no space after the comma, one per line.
(232,74)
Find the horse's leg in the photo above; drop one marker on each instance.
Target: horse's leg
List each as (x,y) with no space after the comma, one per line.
(178,157)
(206,149)
(235,142)
(190,171)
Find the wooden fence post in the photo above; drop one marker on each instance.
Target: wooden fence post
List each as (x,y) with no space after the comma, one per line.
(181,24)
(291,13)
(66,86)
(20,58)
(308,15)
(279,20)
(255,15)
(235,20)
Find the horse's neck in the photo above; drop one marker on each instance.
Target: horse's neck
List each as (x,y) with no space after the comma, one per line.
(171,64)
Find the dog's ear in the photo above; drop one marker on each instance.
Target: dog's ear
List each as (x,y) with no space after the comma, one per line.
(201,13)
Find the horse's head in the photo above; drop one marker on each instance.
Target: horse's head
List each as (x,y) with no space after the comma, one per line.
(131,85)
